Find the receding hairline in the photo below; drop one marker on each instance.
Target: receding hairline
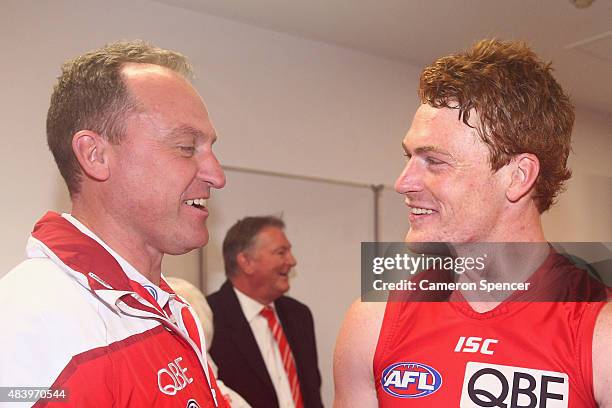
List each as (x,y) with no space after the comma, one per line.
(133,72)
(151,67)
(135,75)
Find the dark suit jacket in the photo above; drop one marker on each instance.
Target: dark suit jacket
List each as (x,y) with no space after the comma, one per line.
(241,366)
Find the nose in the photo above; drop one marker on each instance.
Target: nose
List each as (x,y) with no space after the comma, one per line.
(291,259)
(210,171)
(410,179)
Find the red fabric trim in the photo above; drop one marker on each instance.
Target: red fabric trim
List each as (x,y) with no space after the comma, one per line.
(190,325)
(83,254)
(93,354)
(80,252)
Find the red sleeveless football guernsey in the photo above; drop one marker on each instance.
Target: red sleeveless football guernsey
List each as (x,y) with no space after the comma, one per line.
(523,353)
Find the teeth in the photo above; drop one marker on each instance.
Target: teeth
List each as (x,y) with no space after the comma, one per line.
(418,211)
(198,201)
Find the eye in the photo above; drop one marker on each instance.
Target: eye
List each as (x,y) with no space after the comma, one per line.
(433,161)
(187,150)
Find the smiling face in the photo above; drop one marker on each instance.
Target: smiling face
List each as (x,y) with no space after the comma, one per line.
(269,262)
(449,187)
(164,167)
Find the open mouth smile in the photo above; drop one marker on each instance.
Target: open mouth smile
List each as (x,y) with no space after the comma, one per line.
(420,211)
(199,203)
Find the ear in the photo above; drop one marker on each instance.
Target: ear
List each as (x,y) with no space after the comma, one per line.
(91,150)
(523,175)
(244,263)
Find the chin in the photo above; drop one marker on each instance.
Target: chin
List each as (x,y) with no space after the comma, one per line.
(420,236)
(284,289)
(187,245)
(199,239)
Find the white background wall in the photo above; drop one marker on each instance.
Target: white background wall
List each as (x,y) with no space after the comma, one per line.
(279,103)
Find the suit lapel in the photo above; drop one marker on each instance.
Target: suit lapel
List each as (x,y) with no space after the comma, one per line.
(243,335)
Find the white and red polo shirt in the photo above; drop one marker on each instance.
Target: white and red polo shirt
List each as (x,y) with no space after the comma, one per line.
(78,318)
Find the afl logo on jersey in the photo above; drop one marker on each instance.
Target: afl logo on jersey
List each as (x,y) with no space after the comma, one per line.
(410,380)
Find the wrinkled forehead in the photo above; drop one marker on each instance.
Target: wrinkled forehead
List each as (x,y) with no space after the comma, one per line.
(142,76)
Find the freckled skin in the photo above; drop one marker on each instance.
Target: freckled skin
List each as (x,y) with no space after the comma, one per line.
(458,184)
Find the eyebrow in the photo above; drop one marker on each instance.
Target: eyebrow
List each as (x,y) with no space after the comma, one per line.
(191,131)
(428,149)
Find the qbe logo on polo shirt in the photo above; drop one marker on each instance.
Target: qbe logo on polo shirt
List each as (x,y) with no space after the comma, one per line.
(492,385)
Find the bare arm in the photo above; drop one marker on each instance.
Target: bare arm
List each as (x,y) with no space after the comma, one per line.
(602,358)
(354,354)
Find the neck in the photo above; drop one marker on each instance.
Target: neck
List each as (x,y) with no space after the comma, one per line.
(519,222)
(239,283)
(114,233)
(513,253)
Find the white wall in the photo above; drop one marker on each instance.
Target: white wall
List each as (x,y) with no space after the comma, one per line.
(279,103)
(584,211)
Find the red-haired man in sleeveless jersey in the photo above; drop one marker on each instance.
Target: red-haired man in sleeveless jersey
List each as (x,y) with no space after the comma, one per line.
(486,156)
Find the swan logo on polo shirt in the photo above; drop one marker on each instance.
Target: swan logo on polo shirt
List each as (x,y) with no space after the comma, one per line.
(410,380)
(192,404)
(152,291)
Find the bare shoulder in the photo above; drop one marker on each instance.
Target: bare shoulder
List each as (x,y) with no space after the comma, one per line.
(354,354)
(602,358)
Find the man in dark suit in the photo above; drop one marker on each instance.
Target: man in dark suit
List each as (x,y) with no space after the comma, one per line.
(269,364)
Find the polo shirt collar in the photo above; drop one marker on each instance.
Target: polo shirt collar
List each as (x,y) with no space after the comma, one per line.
(132,273)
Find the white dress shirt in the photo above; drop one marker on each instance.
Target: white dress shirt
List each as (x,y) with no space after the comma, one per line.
(268,347)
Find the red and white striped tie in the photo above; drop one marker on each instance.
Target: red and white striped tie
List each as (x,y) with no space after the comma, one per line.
(287,356)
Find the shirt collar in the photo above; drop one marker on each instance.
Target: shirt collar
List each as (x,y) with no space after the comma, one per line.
(250,307)
(160,295)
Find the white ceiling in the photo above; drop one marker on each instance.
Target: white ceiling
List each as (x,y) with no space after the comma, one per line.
(577,41)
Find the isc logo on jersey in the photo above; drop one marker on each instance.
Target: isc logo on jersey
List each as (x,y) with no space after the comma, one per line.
(410,380)
(492,385)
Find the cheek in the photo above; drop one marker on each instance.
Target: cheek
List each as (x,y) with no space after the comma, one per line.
(169,178)
(465,201)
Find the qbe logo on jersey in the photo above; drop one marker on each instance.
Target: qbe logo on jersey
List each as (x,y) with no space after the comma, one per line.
(492,385)
(410,380)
